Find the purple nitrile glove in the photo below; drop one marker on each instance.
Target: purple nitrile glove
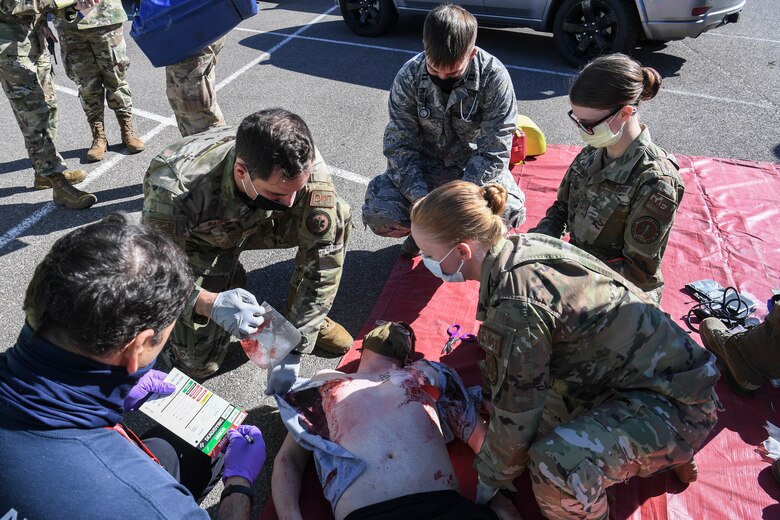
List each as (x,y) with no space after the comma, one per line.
(151,382)
(242,458)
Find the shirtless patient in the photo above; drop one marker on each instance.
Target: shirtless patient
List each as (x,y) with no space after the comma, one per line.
(379,437)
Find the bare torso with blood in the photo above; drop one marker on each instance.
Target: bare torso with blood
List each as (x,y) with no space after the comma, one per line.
(388,420)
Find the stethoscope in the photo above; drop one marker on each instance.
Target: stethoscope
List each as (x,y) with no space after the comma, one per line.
(425,112)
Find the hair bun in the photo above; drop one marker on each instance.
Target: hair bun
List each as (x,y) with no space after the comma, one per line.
(495,195)
(651,83)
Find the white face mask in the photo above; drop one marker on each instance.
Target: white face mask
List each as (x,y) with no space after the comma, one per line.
(434,267)
(602,136)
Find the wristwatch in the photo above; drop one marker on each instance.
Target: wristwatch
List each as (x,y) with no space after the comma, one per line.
(238,488)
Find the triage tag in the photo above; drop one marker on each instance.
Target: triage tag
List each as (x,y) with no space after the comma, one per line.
(194,413)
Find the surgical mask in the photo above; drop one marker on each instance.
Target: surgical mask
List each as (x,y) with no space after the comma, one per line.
(434,267)
(264,203)
(602,136)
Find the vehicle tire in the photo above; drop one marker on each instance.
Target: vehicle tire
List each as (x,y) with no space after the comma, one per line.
(584,29)
(369,17)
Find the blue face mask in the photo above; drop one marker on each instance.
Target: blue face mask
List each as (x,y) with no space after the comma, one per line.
(434,266)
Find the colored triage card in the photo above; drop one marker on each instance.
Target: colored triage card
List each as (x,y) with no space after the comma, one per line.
(194,413)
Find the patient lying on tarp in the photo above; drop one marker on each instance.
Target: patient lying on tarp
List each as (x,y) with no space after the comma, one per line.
(379,436)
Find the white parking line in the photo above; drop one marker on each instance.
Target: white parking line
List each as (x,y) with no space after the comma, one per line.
(716,98)
(708,33)
(344,174)
(513,67)
(265,55)
(169,120)
(47,208)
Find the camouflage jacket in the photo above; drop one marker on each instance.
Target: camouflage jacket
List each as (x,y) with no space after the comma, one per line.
(557,316)
(190,194)
(107,12)
(622,212)
(18,22)
(432,138)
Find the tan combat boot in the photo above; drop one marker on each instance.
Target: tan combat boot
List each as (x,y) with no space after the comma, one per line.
(99,146)
(68,196)
(131,141)
(72,176)
(720,341)
(334,338)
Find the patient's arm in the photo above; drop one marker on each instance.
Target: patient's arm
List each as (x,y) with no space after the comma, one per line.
(287,477)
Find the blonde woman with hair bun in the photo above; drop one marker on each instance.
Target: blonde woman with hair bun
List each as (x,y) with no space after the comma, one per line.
(620,195)
(559,326)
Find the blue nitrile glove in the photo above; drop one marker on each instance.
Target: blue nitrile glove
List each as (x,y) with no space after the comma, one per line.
(151,382)
(283,374)
(243,458)
(238,312)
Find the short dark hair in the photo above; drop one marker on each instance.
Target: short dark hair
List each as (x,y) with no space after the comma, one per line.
(612,81)
(449,33)
(103,284)
(274,138)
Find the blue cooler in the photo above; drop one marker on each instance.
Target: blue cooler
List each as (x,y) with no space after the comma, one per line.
(168,31)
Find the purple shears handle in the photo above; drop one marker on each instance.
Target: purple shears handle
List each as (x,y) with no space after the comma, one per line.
(454,333)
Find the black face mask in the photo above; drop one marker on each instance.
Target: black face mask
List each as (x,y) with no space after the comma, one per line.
(261,202)
(449,84)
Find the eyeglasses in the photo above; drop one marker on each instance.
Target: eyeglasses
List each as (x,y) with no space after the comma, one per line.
(588,128)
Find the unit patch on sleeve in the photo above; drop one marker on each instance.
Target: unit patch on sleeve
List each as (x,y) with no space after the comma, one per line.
(318,223)
(645,230)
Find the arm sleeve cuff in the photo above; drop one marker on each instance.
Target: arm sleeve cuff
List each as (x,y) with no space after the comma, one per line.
(188,316)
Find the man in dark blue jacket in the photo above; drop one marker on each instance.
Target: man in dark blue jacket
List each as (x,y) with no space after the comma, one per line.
(100,307)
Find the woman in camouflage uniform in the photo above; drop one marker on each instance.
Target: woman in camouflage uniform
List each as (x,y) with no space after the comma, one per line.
(619,197)
(633,392)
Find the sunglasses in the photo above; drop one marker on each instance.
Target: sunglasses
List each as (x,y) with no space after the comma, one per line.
(589,127)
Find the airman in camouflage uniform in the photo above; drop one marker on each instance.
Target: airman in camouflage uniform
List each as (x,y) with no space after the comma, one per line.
(95,58)
(433,138)
(27,79)
(621,211)
(191,91)
(190,193)
(637,389)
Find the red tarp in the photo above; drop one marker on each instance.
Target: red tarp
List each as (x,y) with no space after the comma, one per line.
(724,231)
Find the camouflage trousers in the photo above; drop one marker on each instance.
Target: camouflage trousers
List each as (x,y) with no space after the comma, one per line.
(387,211)
(633,434)
(220,270)
(192,93)
(96,60)
(756,353)
(28,81)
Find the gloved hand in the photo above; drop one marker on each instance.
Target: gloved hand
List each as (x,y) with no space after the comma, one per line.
(238,312)
(283,374)
(242,458)
(151,382)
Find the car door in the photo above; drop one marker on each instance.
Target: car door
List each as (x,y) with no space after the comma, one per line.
(531,10)
(476,7)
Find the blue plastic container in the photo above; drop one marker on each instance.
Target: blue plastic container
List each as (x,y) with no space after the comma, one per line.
(168,31)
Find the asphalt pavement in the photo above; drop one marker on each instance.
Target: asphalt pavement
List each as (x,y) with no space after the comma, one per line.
(720,97)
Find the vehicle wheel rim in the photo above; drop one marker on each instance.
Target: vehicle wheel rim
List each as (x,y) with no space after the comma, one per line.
(365,12)
(589,29)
